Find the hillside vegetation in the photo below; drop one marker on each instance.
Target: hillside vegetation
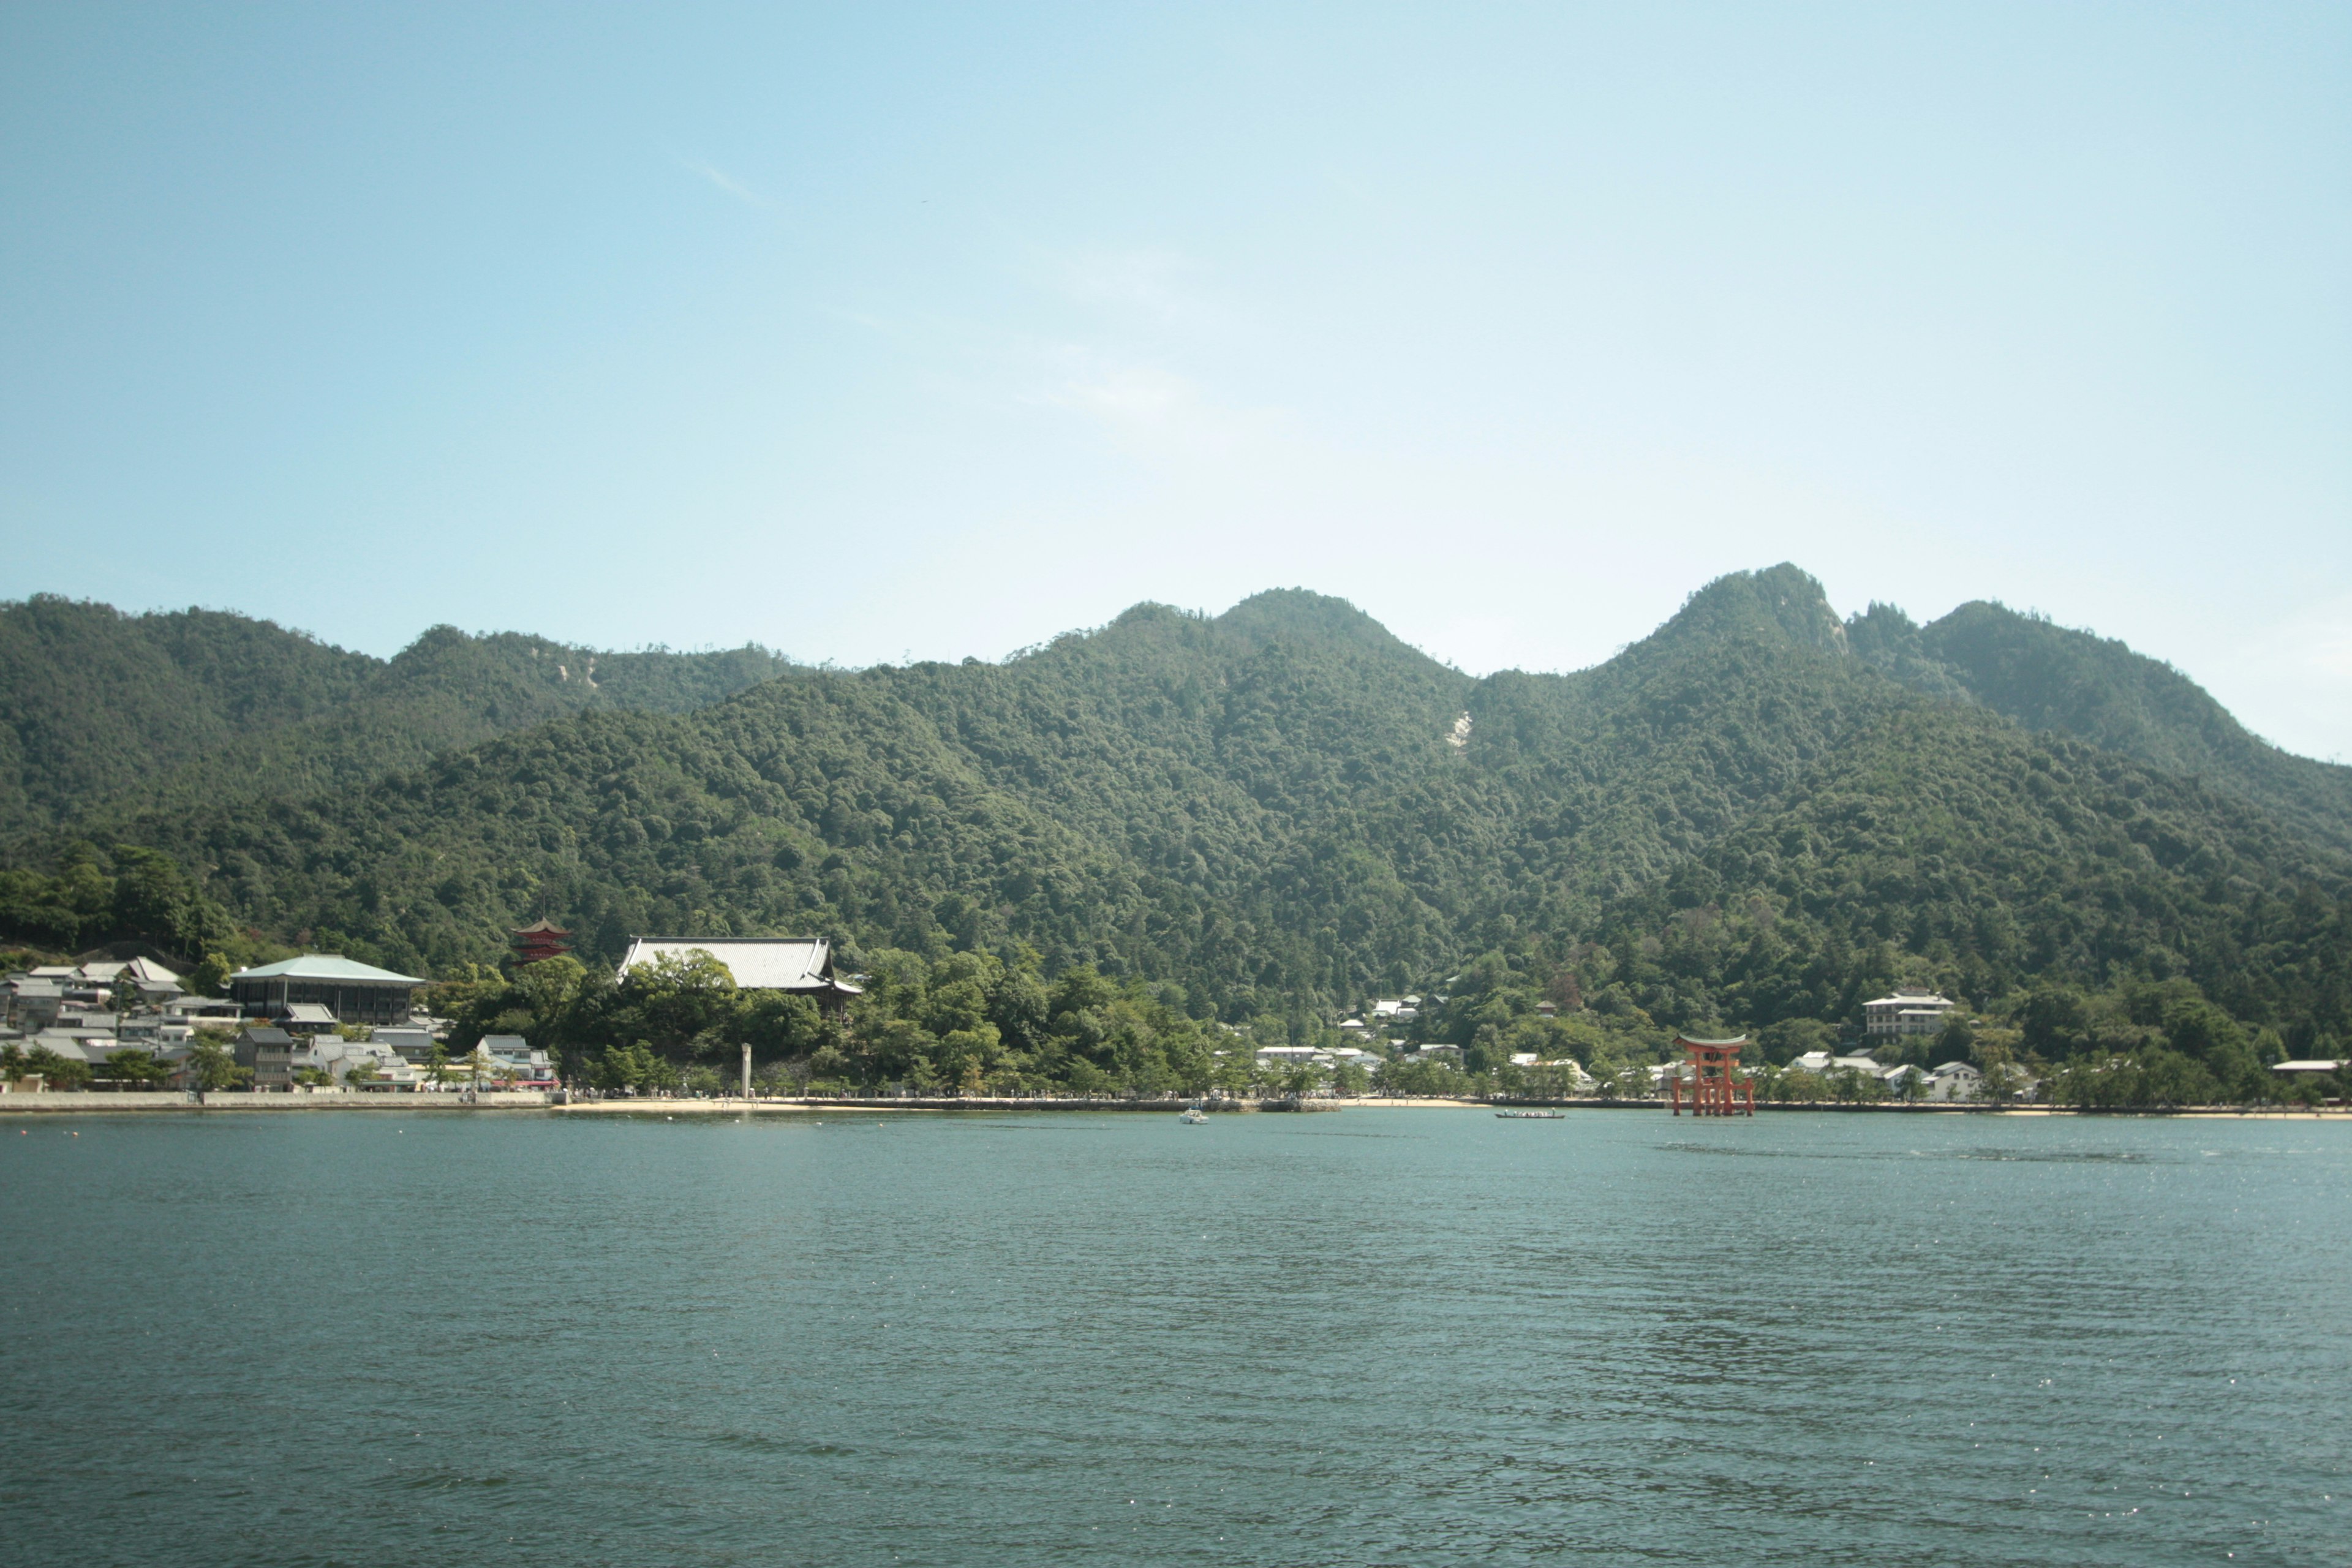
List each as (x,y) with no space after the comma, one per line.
(103,714)
(1757,817)
(2097,689)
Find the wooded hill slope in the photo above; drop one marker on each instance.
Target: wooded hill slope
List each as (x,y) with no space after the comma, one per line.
(103,714)
(1758,813)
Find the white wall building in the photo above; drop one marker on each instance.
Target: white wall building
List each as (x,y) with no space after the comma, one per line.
(1904,1011)
(1955,1080)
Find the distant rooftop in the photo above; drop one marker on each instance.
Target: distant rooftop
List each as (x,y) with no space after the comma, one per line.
(326,966)
(758,964)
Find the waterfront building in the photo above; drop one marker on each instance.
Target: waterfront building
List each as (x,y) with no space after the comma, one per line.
(800,966)
(378,1065)
(411,1041)
(1954,1080)
(271,1055)
(353,992)
(513,1055)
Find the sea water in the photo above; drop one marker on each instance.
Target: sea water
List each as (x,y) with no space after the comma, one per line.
(1383,1336)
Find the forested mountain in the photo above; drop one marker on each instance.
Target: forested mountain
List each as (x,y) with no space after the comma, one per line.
(2097,689)
(1757,815)
(103,714)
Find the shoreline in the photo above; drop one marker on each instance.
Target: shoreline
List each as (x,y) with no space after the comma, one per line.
(83,1102)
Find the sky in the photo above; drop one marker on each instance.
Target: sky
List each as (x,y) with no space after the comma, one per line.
(880,333)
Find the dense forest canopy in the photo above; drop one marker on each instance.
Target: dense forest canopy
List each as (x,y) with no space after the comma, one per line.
(1758,817)
(104,714)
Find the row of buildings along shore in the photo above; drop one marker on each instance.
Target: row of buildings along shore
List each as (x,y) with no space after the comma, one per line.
(1907,1013)
(319,1019)
(322,1020)
(325,1021)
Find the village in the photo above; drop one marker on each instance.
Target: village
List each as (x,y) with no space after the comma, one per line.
(317,1022)
(323,1022)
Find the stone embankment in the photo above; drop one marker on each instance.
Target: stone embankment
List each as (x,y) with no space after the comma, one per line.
(625,1107)
(103,1101)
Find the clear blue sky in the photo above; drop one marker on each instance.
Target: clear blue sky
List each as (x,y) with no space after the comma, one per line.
(865,332)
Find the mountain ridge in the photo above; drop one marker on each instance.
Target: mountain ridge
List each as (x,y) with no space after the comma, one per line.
(99,710)
(1278,808)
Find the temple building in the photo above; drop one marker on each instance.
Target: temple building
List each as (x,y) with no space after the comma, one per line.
(802,966)
(540,939)
(354,993)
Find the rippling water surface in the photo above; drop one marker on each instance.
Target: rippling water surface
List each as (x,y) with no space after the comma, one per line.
(1382,1336)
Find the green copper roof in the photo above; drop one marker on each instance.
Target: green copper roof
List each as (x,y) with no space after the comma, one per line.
(329,967)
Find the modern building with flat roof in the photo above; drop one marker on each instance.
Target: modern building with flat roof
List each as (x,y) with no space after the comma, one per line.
(1908,1011)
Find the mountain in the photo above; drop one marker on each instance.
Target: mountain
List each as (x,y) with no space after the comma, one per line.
(1759,812)
(2097,689)
(104,714)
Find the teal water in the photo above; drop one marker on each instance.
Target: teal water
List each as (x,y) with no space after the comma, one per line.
(1385,1336)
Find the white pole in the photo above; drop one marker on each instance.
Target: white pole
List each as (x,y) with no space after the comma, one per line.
(747,1069)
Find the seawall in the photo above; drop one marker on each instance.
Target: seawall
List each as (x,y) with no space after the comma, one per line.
(103,1101)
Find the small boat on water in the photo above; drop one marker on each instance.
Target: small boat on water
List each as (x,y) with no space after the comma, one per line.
(1532,1115)
(1194,1116)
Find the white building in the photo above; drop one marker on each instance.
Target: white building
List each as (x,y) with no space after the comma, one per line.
(376,1062)
(1955,1080)
(512,1053)
(1579,1080)
(1905,1011)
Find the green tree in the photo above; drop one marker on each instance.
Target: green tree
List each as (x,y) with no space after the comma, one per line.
(210,977)
(212,1065)
(54,1070)
(135,1067)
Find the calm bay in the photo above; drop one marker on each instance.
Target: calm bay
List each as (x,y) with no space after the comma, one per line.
(1406,1336)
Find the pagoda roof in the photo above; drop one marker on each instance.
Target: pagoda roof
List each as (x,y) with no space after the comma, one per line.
(542,927)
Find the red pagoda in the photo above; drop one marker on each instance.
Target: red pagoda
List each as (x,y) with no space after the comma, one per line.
(540,939)
(1715,1085)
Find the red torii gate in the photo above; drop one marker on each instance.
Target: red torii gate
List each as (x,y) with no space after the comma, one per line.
(1717,1088)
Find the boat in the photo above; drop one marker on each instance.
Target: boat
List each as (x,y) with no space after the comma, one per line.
(1532,1115)
(1194,1116)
